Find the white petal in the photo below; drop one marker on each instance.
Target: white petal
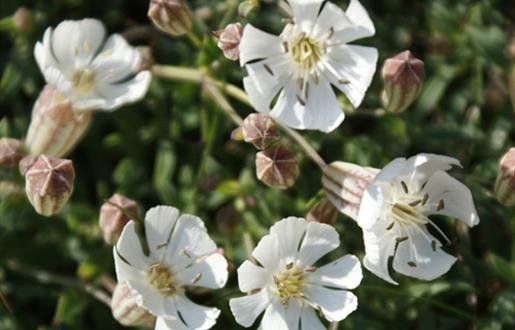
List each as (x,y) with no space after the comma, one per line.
(289,232)
(359,16)
(430,263)
(343,273)
(322,112)
(335,304)
(288,110)
(189,241)
(159,222)
(74,43)
(305,12)
(266,78)
(129,247)
(116,61)
(310,320)
(355,64)
(279,317)
(246,309)
(251,277)
(212,270)
(379,246)
(331,17)
(395,168)
(456,197)
(124,271)
(148,297)
(117,95)
(170,324)
(196,316)
(266,252)
(320,239)
(371,207)
(422,166)
(256,44)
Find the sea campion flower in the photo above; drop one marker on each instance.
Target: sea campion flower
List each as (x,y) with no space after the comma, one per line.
(89,73)
(302,62)
(288,287)
(181,255)
(395,210)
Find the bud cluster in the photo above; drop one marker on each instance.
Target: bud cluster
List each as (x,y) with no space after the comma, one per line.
(275,165)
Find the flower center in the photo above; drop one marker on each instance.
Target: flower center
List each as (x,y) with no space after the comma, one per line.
(306,52)
(290,283)
(407,214)
(83,80)
(160,278)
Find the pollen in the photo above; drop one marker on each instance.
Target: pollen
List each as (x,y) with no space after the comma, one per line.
(83,80)
(160,278)
(306,52)
(290,283)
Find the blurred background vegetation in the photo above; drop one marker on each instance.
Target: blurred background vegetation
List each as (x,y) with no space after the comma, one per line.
(173,148)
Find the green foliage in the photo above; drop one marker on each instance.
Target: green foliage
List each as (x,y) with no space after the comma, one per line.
(173,148)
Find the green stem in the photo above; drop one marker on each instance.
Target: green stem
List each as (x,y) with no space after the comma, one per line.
(194,39)
(213,87)
(49,278)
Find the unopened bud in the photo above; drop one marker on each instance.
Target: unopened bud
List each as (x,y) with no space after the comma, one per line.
(55,127)
(114,215)
(403,77)
(505,183)
(170,16)
(125,308)
(10,152)
(277,167)
(345,183)
(49,184)
(229,40)
(323,211)
(23,19)
(260,130)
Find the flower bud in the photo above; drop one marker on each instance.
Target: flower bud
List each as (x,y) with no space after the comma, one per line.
(229,40)
(23,20)
(345,183)
(403,77)
(49,184)
(113,219)
(260,130)
(323,211)
(170,16)
(55,128)
(505,183)
(125,308)
(276,167)
(10,152)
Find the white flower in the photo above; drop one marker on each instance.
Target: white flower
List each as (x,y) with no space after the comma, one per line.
(288,287)
(394,216)
(88,72)
(181,254)
(300,65)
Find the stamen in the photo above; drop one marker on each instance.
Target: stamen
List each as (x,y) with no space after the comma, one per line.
(415,203)
(433,245)
(412,264)
(331,33)
(441,205)
(268,69)
(196,278)
(390,226)
(404,186)
(184,253)
(343,82)
(401,239)
(425,199)
(301,101)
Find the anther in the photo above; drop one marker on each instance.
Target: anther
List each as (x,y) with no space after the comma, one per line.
(401,239)
(433,245)
(390,226)
(424,200)
(343,81)
(412,264)
(268,69)
(196,278)
(301,101)
(331,33)
(415,203)
(404,186)
(160,246)
(441,205)
(289,266)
